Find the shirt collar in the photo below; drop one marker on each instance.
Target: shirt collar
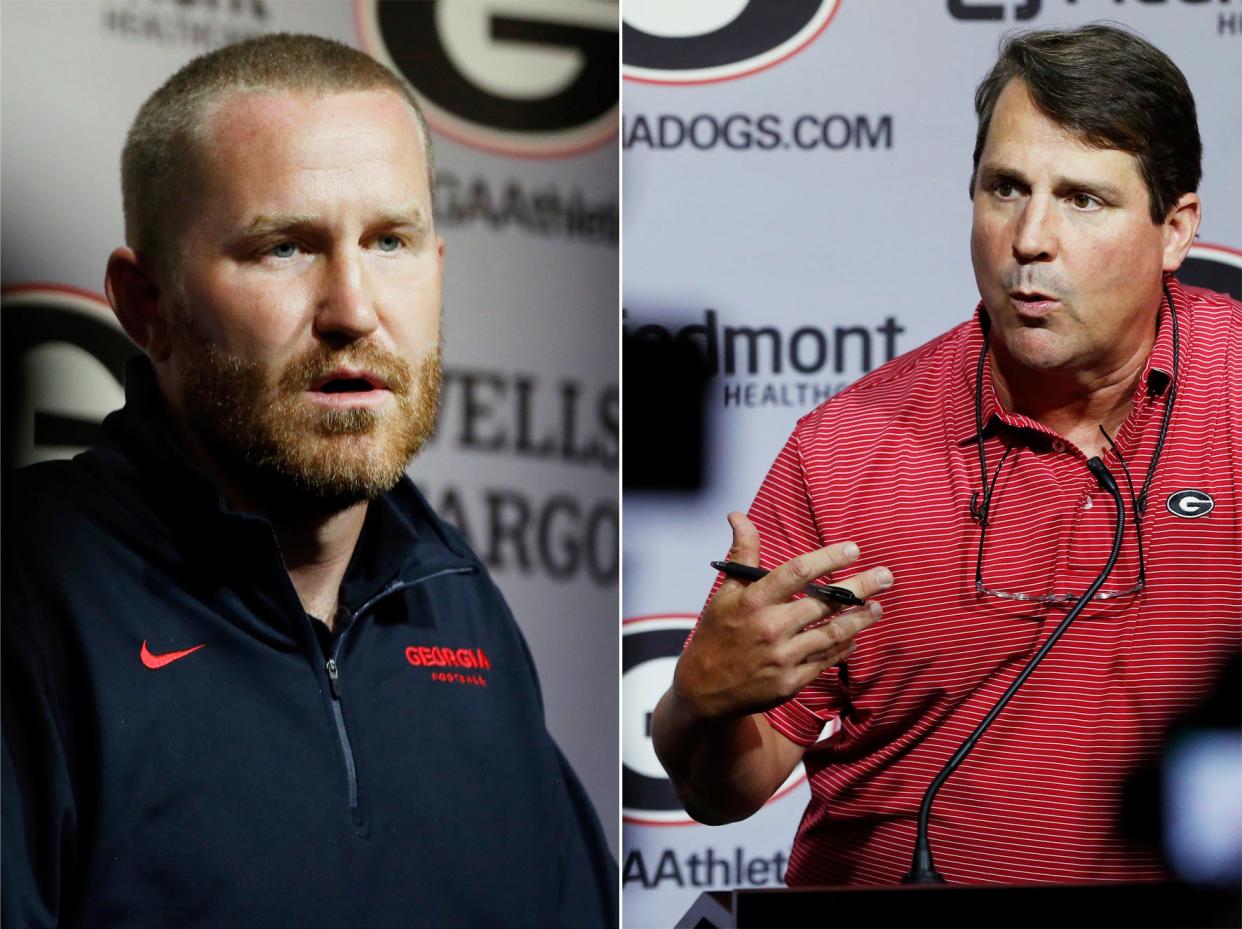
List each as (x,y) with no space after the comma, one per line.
(994,414)
(1155,380)
(1158,374)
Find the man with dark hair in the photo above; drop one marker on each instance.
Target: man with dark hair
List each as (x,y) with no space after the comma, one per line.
(1150,112)
(250,678)
(994,531)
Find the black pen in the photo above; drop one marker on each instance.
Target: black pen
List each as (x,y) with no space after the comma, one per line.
(744,572)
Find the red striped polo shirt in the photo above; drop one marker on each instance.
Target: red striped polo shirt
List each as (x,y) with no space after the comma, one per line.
(891,464)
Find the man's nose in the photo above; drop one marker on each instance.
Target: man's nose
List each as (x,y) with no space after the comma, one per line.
(345,308)
(1035,235)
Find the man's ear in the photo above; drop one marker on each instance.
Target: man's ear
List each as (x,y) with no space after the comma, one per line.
(134,292)
(1180,228)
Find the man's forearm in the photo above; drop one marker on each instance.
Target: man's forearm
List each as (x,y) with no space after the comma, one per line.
(722,770)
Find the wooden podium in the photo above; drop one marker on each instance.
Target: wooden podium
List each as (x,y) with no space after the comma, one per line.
(1125,906)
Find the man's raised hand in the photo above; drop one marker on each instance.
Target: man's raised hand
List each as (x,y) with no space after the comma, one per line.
(755,646)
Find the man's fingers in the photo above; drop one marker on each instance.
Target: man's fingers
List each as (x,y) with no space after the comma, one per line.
(866,584)
(810,610)
(838,632)
(745,548)
(831,656)
(793,576)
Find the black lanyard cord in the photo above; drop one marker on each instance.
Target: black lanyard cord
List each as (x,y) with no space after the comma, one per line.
(980,501)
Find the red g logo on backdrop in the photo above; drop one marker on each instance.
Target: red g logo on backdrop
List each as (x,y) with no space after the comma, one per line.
(532,78)
(697,43)
(1216,267)
(650,646)
(63,365)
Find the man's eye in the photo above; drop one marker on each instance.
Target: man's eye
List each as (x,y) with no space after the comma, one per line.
(1084,201)
(1003,189)
(388,243)
(284,250)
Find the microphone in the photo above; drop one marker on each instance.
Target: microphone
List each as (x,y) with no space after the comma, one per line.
(922,867)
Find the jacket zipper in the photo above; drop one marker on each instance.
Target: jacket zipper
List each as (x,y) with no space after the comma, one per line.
(351,772)
(334,675)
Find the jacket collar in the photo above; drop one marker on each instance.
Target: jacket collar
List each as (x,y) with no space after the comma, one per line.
(402,539)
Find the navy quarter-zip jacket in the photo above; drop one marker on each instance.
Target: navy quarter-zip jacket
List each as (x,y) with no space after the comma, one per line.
(181,748)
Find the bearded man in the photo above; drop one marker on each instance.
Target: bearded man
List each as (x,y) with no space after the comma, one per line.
(250,678)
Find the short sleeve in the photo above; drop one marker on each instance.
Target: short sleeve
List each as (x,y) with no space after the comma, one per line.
(783,514)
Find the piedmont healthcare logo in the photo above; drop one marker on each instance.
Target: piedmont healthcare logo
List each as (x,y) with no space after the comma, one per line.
(530,78)
(762,365)
(701,43)
(200,24)
(650,647)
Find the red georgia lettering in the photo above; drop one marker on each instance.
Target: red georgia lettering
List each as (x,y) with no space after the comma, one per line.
(428,656)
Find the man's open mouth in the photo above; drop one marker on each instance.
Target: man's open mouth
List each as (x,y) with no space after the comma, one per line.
(346,385)
(343,382)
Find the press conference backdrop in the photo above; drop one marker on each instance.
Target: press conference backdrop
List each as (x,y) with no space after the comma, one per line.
(795,204)
(522,100)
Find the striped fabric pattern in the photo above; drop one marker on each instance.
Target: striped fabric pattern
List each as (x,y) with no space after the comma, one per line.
(891,464)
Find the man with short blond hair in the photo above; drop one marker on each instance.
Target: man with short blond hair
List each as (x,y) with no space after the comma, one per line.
(166,144)
(250,678)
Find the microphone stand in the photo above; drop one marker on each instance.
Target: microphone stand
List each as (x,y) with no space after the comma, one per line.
(922,868)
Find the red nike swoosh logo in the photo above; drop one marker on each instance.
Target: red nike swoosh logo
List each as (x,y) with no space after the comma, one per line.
(158,661)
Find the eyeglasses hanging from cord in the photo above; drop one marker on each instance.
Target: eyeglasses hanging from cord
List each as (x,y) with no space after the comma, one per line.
(981,501)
